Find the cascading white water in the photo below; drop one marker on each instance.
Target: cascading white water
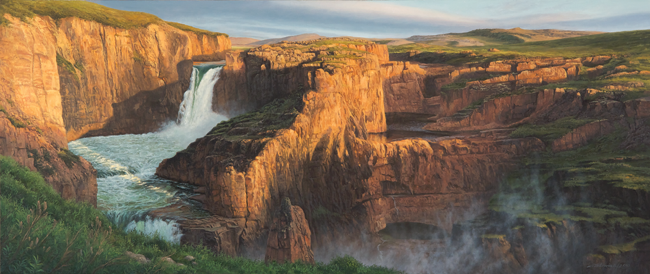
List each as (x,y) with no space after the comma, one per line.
(126,164)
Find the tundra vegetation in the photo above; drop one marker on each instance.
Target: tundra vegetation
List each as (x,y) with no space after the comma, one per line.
(43,233)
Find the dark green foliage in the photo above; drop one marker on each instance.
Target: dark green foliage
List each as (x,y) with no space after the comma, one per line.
(383,42)
(264,122)
(138,58)
(63,236)
(41,162)
(452,43)
(347,264)
(15,122)
(65,64)
(68,157)
(501,36)
(602,161)
(550,131)
(78,65)
(634,44)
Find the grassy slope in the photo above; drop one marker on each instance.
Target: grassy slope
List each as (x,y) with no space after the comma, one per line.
(89,11)
(602,160)
(632,43)
(69,237)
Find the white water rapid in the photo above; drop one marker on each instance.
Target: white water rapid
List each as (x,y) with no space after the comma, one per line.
(128,189)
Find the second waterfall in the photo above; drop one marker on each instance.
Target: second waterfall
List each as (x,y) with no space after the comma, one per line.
(128,189)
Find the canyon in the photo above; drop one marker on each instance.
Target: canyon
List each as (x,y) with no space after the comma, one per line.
(64,79)
(321,141)
(499,166)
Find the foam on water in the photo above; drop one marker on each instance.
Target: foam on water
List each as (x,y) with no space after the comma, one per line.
(126,164)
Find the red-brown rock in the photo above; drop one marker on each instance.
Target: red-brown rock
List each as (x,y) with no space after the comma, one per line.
(289,236)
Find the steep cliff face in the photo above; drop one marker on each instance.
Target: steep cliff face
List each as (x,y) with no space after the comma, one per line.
(323,159)
(28,75)
(245,178)
(126,81)
(60,80)
(477,81)
(31,125)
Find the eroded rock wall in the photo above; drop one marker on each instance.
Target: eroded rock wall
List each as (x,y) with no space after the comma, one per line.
(325,162)
(60,80)
(126,81)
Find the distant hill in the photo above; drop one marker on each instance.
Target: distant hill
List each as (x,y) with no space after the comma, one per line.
(483,37)
(242,41)
(294,38)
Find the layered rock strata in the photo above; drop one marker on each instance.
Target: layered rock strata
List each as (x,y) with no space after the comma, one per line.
(323,160)
(60,80)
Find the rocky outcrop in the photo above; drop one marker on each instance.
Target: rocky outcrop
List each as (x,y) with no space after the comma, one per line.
(109,80)
(70,175)
(543,106)
(221,235)
(403,87)
(502,77)
(61,80)
(582,135)
(323,159)
(32,129)
(126,81)
(29,81)
(289,236)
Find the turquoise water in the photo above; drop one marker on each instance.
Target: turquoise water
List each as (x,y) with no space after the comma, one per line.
(128,188)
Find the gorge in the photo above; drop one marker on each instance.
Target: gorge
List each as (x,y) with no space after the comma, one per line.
(413,158)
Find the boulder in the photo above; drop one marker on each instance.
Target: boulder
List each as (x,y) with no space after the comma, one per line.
(290,236)
(138,257)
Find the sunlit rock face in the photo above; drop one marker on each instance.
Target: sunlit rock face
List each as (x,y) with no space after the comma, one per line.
(132,80)
(66,79)
(324,159)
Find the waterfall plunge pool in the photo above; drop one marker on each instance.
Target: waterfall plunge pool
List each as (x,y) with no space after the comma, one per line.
(128,189)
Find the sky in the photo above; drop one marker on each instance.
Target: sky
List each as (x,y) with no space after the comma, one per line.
(394,19)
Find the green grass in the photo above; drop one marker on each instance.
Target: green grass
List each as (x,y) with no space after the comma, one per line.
(634,44)
(264,122)
(43,233)
(68,157)
(600,161)
(338,41)
(500,36)
(65,64)
(551,131)
(138,58)
(383,42)
(195,30)
(624,247)
(493,236)
(15,122)
(24,9)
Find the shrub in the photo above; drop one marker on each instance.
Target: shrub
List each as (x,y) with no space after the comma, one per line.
(68,157)
(43,233)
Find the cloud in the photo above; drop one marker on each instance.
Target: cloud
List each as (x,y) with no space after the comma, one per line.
(377,10)
(270,19)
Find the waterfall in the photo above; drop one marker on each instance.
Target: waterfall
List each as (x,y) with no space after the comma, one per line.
(128,189)
(197,100)
(195,115)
